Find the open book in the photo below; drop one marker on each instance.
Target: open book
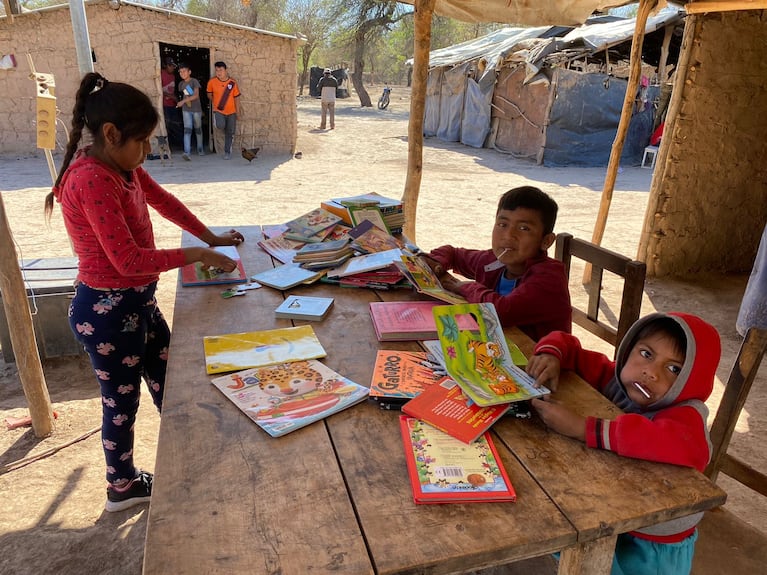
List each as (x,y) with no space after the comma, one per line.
(479,360)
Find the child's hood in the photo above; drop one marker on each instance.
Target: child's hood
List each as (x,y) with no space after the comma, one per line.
(696,379)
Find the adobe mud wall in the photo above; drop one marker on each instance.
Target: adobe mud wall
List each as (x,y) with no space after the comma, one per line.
(126,44)
(708,202)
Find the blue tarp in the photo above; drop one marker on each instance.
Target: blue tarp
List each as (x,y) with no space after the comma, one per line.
(583,123)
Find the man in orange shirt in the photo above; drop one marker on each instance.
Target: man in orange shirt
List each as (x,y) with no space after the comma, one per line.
(223,93)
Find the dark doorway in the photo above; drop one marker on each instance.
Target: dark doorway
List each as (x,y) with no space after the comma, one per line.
(198,60)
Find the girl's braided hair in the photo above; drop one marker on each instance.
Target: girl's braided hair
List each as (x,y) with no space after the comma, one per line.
(97,102)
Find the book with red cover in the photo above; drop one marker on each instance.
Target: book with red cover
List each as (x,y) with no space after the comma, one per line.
(444,470)
(407,320)
(401,375)
(195,274)
(446,407)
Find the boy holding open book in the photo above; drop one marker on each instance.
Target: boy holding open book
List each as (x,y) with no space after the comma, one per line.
(528,288)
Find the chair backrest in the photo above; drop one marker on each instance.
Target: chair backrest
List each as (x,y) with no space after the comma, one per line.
(738,385)
(632,271)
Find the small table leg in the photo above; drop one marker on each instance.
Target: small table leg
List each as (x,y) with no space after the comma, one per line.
(591,558)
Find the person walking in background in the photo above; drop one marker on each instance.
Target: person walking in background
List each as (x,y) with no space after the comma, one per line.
(191,110)
(105,196)
(169,101)
(223,93)
(327,87)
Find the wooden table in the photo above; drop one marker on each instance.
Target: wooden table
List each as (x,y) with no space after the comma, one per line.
(335,496)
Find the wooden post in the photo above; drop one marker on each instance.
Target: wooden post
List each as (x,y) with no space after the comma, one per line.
(22,333)
(668,33)
(422,42)
(645,6)
(648,241)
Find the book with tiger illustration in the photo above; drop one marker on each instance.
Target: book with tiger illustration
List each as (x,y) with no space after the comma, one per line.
(479,359)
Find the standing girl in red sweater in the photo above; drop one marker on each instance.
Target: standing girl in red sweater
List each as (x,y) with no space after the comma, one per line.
(104,195)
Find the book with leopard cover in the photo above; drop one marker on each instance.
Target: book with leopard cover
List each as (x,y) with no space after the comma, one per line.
(479,360)
(285,397)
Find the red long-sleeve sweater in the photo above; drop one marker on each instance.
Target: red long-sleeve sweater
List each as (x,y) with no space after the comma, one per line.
(672,429)
(107,219)
(540,302)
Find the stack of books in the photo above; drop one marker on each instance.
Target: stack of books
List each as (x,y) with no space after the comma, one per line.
(322,255)
(312,227)
(390,209)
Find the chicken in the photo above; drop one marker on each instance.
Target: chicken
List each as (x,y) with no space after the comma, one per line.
(250,154)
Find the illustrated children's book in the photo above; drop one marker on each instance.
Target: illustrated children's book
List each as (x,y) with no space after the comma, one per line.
(283,398)
(304,307)
(366,263)
(399,376)
(434,348)
(479,360)
(368,238)
(196,274)
(408,320)
(285,276)
(235,351)
(368,214)
(423,279)
(281,248)
(443,469)
(313,223)
(446,407)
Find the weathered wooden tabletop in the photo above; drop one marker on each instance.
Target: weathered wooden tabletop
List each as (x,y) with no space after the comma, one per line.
(335,495)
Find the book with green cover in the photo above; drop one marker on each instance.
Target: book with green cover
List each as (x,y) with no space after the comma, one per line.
(479,360)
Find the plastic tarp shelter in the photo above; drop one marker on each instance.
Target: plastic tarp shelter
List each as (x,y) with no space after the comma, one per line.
(462,82)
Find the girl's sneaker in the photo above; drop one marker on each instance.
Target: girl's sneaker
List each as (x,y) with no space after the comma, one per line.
(137,491)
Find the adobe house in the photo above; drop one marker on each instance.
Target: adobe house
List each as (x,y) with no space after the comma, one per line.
(128,43)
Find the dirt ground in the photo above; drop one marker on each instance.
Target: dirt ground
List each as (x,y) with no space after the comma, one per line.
(51,511)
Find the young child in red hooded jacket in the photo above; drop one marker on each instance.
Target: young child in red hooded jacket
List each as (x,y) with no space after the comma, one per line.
(663,374)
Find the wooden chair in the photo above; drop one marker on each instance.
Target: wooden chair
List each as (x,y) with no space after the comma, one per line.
(736,391)
(601,259)
(726,543)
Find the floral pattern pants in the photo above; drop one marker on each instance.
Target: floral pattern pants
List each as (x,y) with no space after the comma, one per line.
(126,337)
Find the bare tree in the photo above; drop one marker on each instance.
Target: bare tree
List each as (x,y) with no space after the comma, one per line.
(368,21)
(313,21)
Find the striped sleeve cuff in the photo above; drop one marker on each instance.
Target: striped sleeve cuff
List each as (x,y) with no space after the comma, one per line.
(598,433)
(550,349)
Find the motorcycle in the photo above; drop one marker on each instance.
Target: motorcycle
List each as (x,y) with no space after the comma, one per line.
(383,101)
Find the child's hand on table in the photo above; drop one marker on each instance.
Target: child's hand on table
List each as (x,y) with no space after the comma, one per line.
(559,418)
(451,283)
(230,238)
(545,369)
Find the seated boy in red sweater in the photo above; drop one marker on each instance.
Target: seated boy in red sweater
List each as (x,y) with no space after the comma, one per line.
(664,373)
(529,289)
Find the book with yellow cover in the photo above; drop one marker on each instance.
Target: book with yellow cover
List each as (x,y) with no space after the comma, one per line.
(230,352)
